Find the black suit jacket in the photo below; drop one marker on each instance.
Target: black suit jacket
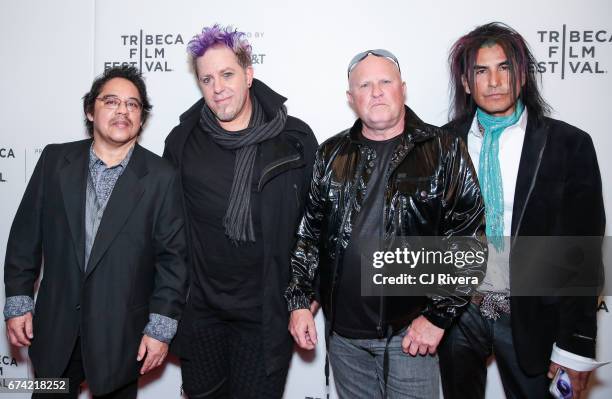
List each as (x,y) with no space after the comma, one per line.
(136,266)
(558,193)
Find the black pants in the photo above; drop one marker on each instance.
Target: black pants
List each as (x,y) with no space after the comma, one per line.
(76,375)
(463,357)
(227,361)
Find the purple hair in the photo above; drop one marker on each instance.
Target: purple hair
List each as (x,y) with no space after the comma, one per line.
(217,35)
(522,64)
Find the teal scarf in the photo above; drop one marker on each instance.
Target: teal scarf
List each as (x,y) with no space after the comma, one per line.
(489,171)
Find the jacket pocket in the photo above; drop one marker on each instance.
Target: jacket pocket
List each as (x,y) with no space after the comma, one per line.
(419,188)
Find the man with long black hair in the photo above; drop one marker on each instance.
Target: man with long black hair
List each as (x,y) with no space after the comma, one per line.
(539,177)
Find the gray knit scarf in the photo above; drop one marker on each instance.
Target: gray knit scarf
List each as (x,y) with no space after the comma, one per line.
(237,221)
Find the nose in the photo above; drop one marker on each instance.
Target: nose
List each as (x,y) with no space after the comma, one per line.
(376,90)
(494,79)
(218,86)
(122,108)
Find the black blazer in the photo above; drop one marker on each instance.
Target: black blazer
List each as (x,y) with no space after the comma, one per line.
(558,193)
(136,266)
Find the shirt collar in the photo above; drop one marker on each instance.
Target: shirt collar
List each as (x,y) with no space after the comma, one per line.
(475,131)
(94,161)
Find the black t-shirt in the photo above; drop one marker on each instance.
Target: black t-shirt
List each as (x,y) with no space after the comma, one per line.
(227,277)
(357,316)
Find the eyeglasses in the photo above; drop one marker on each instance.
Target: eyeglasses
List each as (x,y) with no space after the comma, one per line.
(114,102)
(377,52)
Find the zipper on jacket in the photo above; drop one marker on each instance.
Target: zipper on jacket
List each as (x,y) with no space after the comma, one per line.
(381,305)
(352,193)
(274,165)
(297,196)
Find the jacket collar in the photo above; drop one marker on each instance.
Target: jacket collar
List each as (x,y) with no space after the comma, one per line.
(268,98)
(536,136)
(534,145)
(73,183)
(415,130)
(270,101)
(125,196)
(277,155)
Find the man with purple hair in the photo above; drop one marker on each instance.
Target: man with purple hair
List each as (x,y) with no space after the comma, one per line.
(539,177)
(245,166)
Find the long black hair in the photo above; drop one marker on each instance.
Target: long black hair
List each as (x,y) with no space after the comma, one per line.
(522,64)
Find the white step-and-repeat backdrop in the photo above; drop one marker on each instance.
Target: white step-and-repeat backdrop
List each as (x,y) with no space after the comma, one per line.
(52,50)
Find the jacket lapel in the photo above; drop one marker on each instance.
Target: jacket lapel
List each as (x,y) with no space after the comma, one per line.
(73,183)
(531,157)
(123,200)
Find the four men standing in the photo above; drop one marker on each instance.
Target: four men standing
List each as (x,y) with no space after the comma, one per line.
(246,174)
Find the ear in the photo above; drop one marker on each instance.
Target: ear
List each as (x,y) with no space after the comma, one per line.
(249,75)
(349,98)
(404,90)
(465,84)
(90,117)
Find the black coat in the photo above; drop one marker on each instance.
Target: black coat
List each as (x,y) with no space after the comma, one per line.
(558,193)
(286,164)
(431,190)
(137,263)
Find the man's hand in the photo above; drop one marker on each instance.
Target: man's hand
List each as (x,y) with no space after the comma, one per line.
(153,351)
(422,337)
(19,330)
(302,328)
(578,379)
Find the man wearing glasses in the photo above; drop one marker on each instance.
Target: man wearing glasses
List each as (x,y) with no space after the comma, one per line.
(389,175)
(105,216)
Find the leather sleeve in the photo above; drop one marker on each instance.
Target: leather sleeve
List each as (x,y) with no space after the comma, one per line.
(305,256)
(463,216)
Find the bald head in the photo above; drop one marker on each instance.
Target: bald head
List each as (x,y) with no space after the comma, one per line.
(377,95)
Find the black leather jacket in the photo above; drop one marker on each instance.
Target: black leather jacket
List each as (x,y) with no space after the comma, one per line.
(432,190)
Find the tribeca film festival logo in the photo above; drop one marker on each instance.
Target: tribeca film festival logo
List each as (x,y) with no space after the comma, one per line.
(7,361)
(5,154)
(8,154)
(148,51)
(573,51)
